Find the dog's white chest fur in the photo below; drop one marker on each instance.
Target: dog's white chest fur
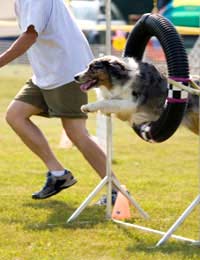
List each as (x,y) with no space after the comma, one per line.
(118,92)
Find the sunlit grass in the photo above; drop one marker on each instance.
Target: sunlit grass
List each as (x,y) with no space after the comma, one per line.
(163,178)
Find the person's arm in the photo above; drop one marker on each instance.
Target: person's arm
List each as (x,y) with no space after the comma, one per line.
(19,47)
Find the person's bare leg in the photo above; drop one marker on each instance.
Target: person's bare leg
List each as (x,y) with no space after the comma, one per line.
(18,117)
(77,132)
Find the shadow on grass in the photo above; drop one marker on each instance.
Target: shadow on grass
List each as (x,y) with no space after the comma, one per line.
(146,244)
(60,212)
(182,248)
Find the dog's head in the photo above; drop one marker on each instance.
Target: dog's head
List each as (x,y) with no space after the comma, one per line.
(104,71)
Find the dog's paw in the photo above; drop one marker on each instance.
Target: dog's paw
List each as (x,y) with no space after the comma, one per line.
(84,109)
(91,107)
(88,108)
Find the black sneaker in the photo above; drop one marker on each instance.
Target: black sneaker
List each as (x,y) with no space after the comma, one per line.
(103,199)
(54,185)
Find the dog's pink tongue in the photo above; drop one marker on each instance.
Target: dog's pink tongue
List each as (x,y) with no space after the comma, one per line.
(87,85)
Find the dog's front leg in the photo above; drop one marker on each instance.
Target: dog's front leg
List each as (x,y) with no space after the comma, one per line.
(110,106)
(91,107)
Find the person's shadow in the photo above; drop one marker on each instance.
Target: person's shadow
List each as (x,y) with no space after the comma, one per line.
(60,212)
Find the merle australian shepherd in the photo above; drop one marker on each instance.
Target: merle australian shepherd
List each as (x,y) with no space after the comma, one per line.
(133,91)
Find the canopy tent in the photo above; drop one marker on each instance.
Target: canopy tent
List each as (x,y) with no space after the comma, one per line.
(8,25)
(183,12)
(7,10)
(9,29)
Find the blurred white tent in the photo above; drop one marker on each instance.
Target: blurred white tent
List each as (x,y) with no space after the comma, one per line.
(8,25)
(7,10)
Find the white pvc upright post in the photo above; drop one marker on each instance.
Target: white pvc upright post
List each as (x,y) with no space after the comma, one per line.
(109,166)
(108,27)
(108,121)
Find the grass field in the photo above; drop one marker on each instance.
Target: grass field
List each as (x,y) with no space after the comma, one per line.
(163,178)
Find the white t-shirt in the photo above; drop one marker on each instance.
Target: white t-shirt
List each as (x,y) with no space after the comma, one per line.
(61,49)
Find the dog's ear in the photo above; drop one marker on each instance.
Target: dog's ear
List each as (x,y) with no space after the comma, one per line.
(117,68)
(117,65)
(100,64)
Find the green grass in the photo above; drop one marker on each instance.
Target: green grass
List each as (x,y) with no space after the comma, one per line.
(163,178)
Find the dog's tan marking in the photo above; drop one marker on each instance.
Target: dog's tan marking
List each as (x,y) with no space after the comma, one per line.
(103,79)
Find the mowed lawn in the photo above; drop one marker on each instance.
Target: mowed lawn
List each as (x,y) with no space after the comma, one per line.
(163,178)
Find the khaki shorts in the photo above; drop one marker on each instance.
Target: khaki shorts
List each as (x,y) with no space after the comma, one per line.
(64,101)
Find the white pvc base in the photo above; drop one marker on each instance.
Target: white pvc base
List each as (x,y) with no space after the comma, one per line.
(170,231)
(110,180)
(104,182)
(179,221)
(155,231)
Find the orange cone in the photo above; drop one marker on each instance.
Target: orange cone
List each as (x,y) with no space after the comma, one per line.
(121,209)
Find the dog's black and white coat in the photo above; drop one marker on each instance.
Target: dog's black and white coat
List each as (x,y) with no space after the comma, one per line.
(133,91)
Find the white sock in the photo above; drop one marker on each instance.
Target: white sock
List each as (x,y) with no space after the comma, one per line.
(58,173)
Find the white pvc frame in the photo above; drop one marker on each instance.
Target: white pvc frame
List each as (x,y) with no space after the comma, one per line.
(109,179)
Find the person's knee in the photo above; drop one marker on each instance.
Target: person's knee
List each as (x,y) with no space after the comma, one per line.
(18,112)
(10,115)
(13,115)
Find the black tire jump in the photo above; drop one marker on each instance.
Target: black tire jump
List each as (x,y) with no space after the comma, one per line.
(178,69)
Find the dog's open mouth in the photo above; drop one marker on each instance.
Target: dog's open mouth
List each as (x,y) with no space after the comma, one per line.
(88,85)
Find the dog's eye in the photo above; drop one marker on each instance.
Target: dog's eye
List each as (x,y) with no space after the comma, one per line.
(135,94)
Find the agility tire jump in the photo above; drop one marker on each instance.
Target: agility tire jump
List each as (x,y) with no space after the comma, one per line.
(178,69)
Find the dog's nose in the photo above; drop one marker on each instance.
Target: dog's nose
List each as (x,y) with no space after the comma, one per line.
(76,77)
